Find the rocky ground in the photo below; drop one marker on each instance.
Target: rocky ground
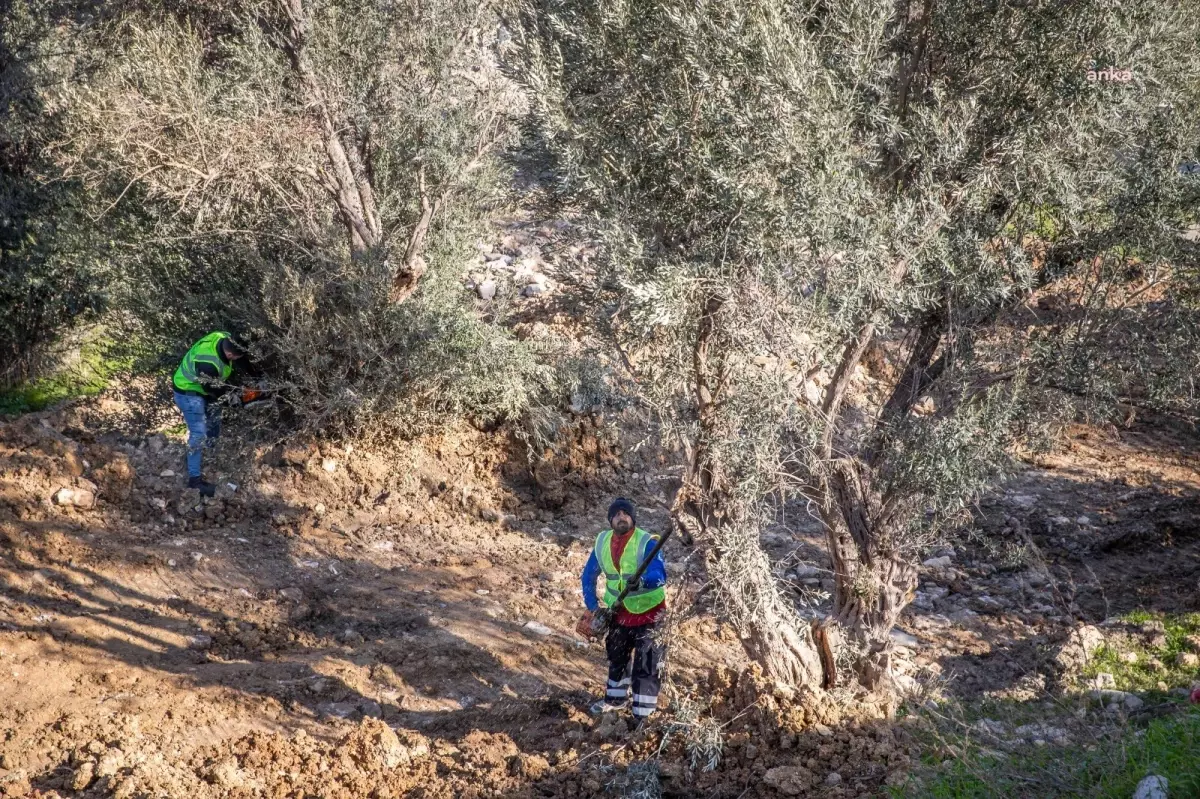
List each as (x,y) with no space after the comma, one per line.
(338,623)
(349,623)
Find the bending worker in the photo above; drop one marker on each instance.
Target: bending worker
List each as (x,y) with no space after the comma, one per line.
(201,379)
(618,553)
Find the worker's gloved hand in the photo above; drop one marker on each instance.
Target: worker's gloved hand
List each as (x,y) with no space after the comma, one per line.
(635,585)
(584,627)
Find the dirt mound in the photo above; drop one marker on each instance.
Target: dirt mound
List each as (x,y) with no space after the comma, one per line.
(349,623)
(344,623)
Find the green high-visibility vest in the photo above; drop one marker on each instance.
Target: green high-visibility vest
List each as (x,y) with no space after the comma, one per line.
(614,577)
(203,351)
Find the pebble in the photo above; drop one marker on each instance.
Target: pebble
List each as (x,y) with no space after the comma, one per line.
(833,779)
(486,289)
(537,628)
(1116,700)
(329,465)
(937,563)
(83,776)
(167,473)
(77,497)
(1152,787)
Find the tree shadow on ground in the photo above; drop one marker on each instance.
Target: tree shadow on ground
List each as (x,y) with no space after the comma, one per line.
(252,609)
(1111,526)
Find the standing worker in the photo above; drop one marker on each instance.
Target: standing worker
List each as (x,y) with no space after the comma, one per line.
(618,553)
(201,379)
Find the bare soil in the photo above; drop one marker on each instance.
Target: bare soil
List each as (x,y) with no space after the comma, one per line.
(339,623)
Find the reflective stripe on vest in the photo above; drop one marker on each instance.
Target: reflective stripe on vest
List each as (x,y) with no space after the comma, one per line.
(203,351)
(614,577)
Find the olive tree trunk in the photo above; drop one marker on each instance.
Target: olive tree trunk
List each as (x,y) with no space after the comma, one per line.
(873,580)
(707,509)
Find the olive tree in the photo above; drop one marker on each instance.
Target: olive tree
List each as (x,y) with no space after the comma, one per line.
(311,173)
(791,190)
(367,115)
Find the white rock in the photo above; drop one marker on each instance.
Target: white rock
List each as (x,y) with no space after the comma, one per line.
(1080,646)
(329,465)
(1116,700)
(537,628)
(937,563)
(167,473)
(77,497)
(159,503)
(1083,521)
(906,685)
(833,779)
(486,289)
(991,727)
(1152,787)
(989,602)
(901,638)
(110,763)
(232,486)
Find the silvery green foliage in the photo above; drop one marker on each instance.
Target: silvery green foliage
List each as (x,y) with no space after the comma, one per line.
(638,781)
(275,166)
(821,166)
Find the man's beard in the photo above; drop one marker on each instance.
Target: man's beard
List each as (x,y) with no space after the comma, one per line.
(622,526)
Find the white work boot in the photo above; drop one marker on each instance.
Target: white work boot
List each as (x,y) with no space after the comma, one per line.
(605,706)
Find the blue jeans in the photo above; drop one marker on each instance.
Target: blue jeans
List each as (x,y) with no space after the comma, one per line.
(203,419)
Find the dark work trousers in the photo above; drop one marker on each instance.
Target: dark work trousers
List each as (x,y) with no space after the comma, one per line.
(620,645)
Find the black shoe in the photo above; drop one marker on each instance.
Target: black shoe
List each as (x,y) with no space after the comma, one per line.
(206,489)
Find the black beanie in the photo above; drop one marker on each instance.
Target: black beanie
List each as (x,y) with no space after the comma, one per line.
(619,504)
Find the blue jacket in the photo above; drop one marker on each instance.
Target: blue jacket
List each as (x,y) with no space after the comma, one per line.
(654,576)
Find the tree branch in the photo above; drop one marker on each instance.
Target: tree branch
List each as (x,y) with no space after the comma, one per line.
(841,381)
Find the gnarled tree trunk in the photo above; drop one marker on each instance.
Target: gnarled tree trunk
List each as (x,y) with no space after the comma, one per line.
(772,634)
(873,581)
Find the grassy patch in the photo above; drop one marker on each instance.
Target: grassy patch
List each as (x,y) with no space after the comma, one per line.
(1109,768)
(1155,665)
(176,430)
(88,376)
